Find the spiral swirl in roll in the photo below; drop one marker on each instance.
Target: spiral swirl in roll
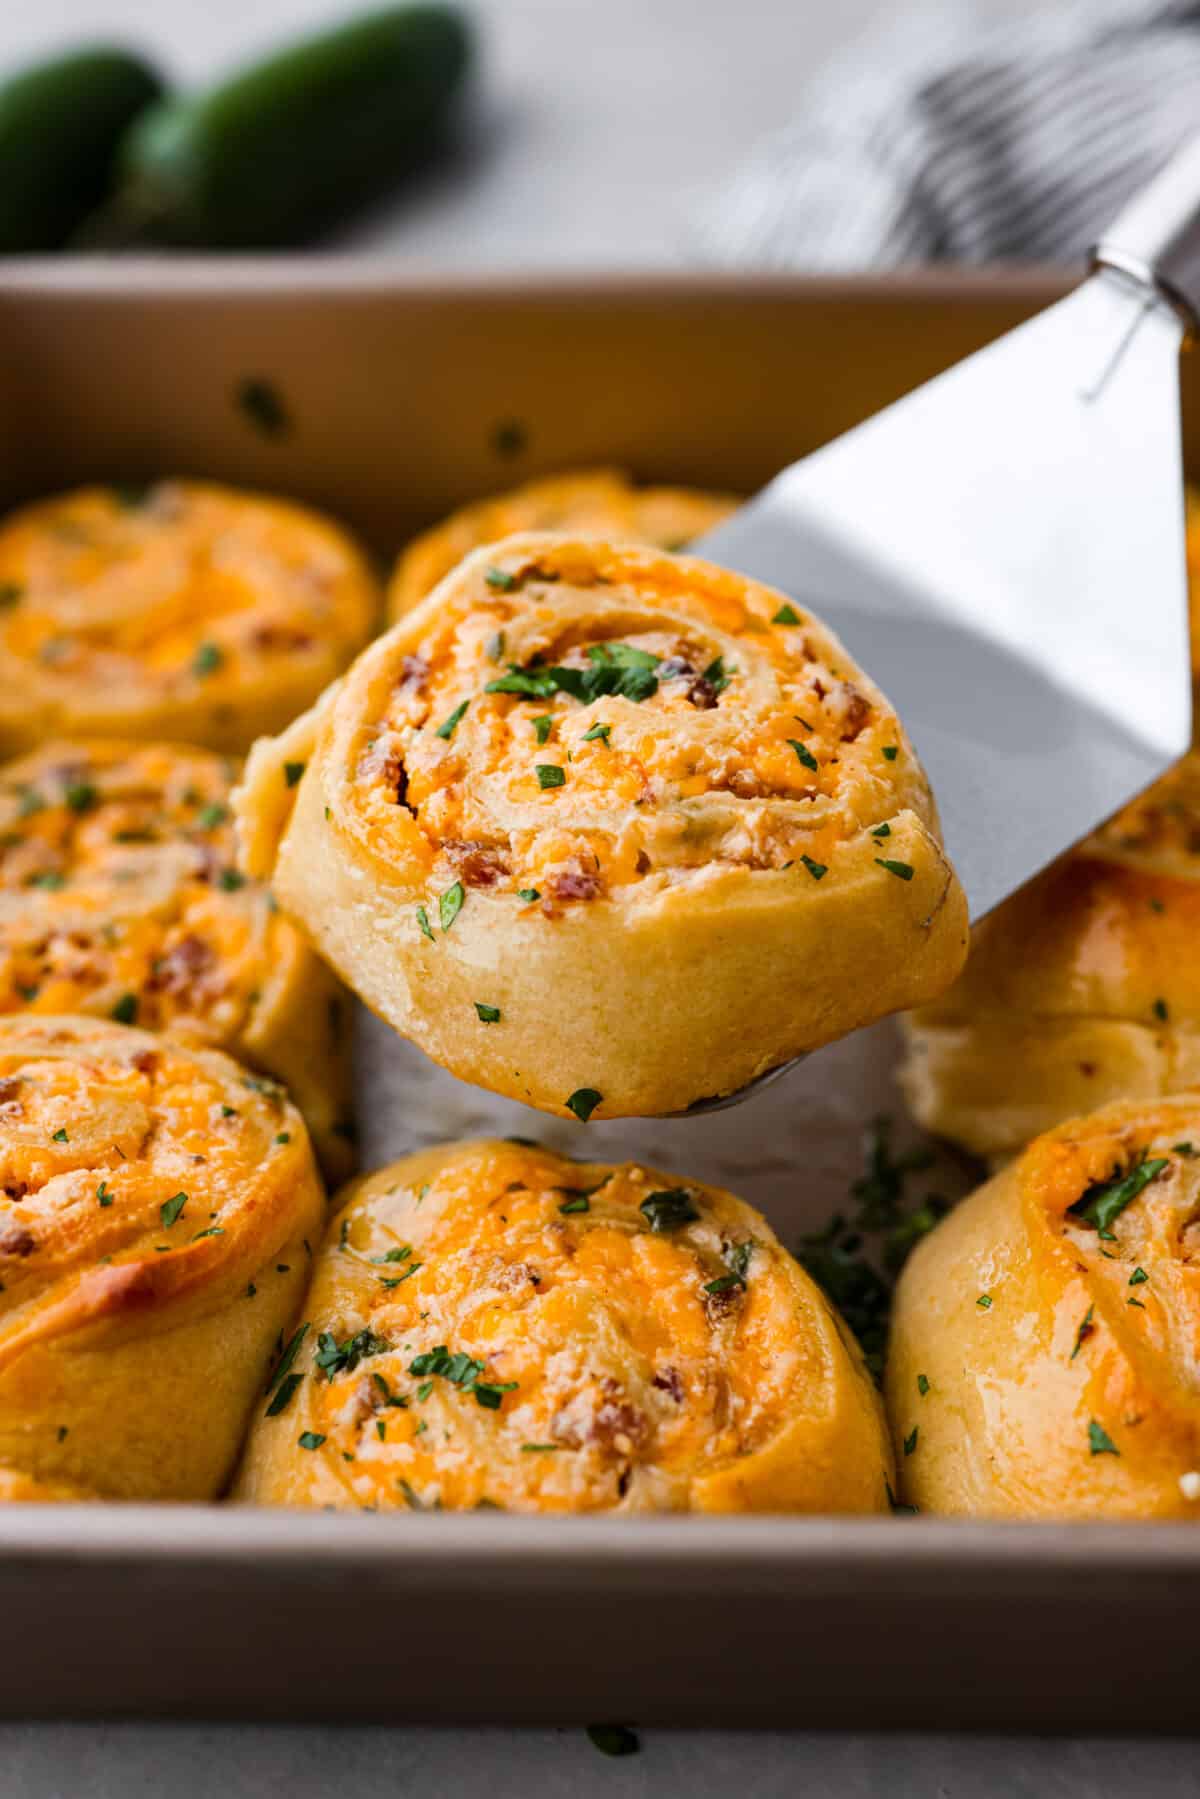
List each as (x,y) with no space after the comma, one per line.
(585,503)
(599,819)
(1043,1357)
(120,898)
(184,611)
(158,1206)
(492,1324)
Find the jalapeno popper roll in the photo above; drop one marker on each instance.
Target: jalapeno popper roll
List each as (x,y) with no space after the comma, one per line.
(186,611)
(1043,1352)
(609,831)
(1081,989)
(586,503)
(492,1324)
(120,898)
(157,1209)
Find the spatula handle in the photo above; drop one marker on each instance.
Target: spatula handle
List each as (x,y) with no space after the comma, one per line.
(1156,237)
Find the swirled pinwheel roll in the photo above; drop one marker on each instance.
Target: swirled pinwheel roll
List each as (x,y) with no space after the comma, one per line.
(492,1324)
(158,1207)
(608,830)
(1043,1349)
(1081,989)
(184,611)
(586,502)
(120,898)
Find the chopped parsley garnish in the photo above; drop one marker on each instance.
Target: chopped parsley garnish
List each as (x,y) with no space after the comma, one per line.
(1083,1333)
(451,904)
(283,1136)
(1185,1149)
(613,1739)
(787,615)
(616,668)
(397,1280)
(126,1008)
(542,726)
(462,1371)
(104,1194)
(487,1014)
(230,880)
(816,869)
(343,1358)
(668,1210)
(716,675)
(81,796)
(883,830)
(450,724)
(891,751)
(411,1499)
(310,1439)
(984,1302)
(60,1135)
(902,870)
(284,1393)
(1160,1010)
(528,894)
(1138,1278)
(804,755)
(577,1201)
(538,1448)
(1104,1201)
(51,880)
(216,814)
(423,921)
(1099,1441)
(583,1103)
(292,772)
(500,579)
(550,775)
(922,1384)
(910,1442)
(171,1210)
(737,1261)
(597,734)
(207,660)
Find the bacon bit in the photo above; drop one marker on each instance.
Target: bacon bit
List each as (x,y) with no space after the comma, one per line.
(146,1061)
(182,967)
(617,1425)
(414,673)
(819,688)
(476,863)
(9,1089)
(508,1277)
(667,1381)
(643,863)
(858,711)
(702,694)
(574,884)
(717,1306)
(16,1241)
(18,1190)
(674,668)
(280,637)
(395,776)
(1087,1069)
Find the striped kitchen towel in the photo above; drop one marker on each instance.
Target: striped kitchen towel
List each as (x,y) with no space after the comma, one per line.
(937,145)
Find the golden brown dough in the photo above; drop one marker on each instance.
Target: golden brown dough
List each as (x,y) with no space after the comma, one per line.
(492,1324)
(1043,1358)
(186,611)
(585,502)
(605,829)
(1081,989)
(157,1210)
(120,898)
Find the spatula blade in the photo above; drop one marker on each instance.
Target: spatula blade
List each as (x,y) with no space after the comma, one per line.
(1003,550)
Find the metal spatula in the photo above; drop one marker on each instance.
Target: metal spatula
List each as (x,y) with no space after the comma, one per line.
(1003,551)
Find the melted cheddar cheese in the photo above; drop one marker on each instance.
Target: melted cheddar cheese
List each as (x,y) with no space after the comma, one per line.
(153,1202)
(120,898)
(184,610)
(493,1325)
(586,503)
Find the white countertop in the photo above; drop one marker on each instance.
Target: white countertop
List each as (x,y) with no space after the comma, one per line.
(602,126)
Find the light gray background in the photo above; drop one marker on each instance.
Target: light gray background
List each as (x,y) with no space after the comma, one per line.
(603,123)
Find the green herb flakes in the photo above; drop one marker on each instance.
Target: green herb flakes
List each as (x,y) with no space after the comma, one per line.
(81,796)
(910,1442)
(335,1358)
(284,1394)
(884,830)
(1160,1010)
(804,755)
(105,1194)
(212,816)
(171,1210)
(550,775)
(60,1135)
(423,922)
(450,724)
(499,580)
(816,869)
(1104,1201)
(787,615)
(984,1302)
(310,1439)
(126,1009)
(583,1103)
(487,1014)
(451,904)
(598,734)
(1083,1333)
(922,1384)
(577,1202)
(668,1210)
(542,726)
(292,772)
(902,870)
(207,660)
(1099,1441)
(230,880)
(528,894)
(1138,1278)
(891,751)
